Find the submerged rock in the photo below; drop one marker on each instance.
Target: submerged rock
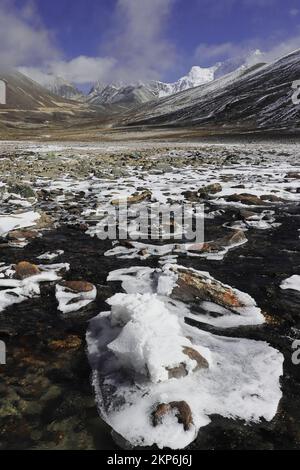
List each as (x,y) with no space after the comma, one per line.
(70,342)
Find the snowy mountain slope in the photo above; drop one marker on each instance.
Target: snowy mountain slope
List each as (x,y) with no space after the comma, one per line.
(257,97)
(139,93)
(197,76)
(24,93)
(118,93)
(31,104)
(61,87)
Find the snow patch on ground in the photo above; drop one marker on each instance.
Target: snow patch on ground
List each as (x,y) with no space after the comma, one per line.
(72,302)
(16,221)
(292,283)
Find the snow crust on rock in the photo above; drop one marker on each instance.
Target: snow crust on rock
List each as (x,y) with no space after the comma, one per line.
(151,341)
(242,380)
(72,302)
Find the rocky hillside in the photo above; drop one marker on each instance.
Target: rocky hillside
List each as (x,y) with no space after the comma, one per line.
(29,104)
(120,94)
(138,93)
(257,97)
(61,87)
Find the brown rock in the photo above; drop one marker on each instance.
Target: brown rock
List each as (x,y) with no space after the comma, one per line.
(247,214)
(207,247)
(161,410)
(192,286)
(213,188)
(181,371)
(196,356)
(19,234)
(191,196)
(233,238)
(245,198)
(45,221)
(271,198)
(145,195)
(78,286)
(183,413)
(143,252)
(25,269)
(293,175)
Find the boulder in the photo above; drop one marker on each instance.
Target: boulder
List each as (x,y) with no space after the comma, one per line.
(245,214)
(234,238)
(25,269)
(193,286)
(213,188)
(21,234)
(245,198)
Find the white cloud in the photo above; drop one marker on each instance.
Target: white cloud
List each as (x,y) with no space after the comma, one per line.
(136,48)
(80,70)
(137,39)
(210,53)
(23,39)
(268,51)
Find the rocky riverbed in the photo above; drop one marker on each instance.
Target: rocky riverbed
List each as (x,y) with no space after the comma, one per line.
(57,274)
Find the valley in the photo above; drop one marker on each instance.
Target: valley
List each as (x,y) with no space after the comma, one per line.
(66,295)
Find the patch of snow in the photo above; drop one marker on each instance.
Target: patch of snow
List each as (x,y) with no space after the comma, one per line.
(292,283)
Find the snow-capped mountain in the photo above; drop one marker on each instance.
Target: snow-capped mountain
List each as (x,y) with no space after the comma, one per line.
(254,97)
(197,76)
(61,87)
(139,93)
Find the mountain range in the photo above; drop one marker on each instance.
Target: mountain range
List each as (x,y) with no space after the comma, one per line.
(133,94)
(247,99)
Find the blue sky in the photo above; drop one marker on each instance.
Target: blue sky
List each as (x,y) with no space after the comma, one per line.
(139,39)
